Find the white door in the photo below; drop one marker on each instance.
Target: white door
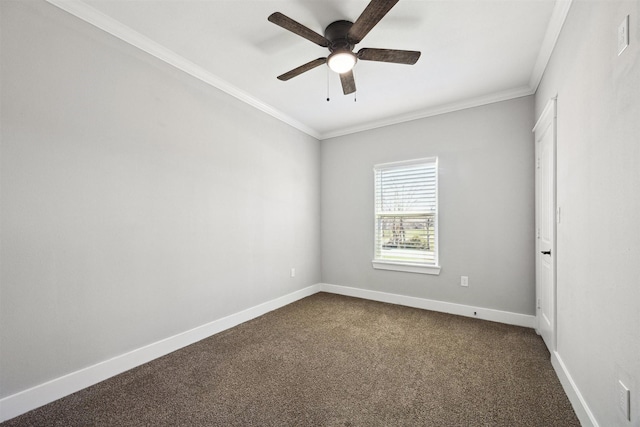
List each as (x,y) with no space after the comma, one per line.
(545,137)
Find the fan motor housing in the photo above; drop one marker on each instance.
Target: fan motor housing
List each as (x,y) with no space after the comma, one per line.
(336,33)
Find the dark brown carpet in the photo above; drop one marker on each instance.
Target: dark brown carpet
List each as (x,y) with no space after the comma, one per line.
(330,360)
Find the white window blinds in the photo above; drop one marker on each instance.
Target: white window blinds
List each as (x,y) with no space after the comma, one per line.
(406,206)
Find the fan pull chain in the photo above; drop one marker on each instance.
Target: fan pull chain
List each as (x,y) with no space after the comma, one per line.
(355,94)
(328,99)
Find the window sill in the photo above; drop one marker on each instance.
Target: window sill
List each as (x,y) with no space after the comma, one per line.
(406,267)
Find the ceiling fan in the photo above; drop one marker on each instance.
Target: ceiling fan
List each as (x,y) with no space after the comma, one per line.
(340,37)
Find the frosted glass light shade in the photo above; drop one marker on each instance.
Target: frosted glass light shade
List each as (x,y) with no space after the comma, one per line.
(341,61)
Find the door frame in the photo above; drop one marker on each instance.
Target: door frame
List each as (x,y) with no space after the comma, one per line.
(547,120)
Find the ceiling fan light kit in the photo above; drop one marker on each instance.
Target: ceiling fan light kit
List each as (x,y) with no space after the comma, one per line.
(340,37)
(341,61)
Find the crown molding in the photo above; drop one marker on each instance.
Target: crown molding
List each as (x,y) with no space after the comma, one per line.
(98,19)
(558,17)
(435,111)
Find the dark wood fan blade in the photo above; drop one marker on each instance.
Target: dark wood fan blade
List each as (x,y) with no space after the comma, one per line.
(303,68)
(371,15)
(348,82)
(297,28)
(389,55)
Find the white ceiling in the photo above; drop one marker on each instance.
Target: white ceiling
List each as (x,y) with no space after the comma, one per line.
(473,52)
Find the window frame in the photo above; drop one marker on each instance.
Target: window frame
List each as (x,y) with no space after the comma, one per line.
(405,266)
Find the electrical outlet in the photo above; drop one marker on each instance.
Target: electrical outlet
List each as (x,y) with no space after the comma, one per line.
(623,35)
(624,400)
(293,272)
(464,281)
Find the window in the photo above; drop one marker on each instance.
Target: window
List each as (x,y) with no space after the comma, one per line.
(406,216)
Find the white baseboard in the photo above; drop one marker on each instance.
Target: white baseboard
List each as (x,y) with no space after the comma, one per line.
(507,317)
(580,406)
(24,401)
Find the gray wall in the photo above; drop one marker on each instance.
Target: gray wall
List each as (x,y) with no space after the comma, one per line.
(598,158)
(137,202)
(486,205)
